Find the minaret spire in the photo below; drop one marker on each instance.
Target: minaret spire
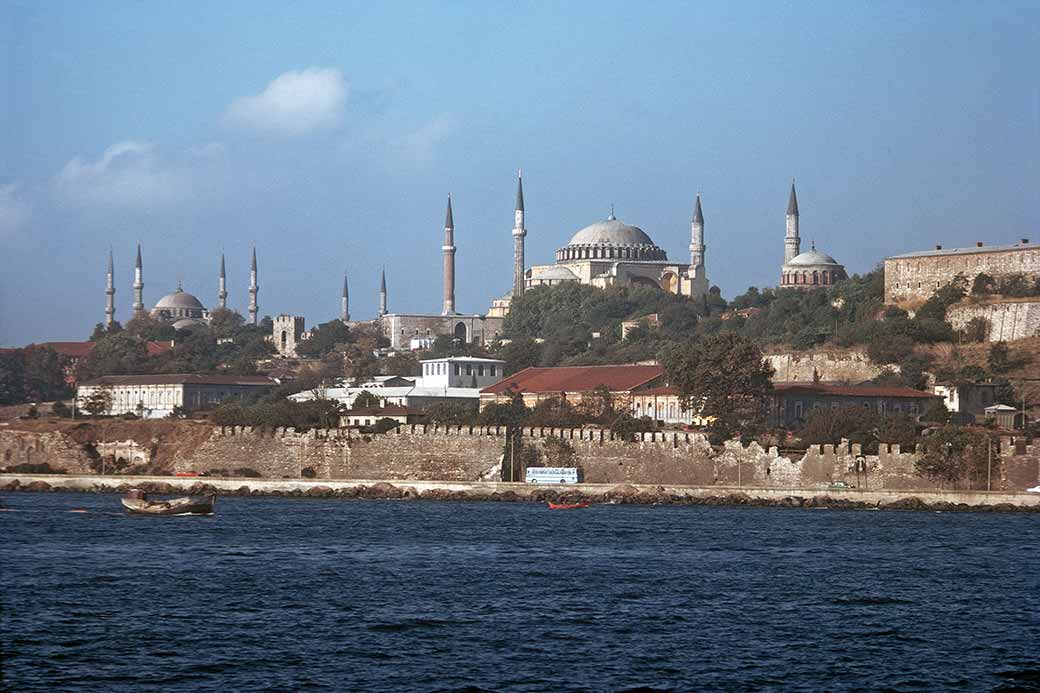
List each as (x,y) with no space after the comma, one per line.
(792,241)
(519,234)
(344,311)
(449,262)
(110,293)
(382,293)
(254,288)
(138,284)
(697,236)
(222,286)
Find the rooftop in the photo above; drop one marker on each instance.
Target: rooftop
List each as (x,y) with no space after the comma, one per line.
(462,359)
(182,379)
(939,252)
(578,379)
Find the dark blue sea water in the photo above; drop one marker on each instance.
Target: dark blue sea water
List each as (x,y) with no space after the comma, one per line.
(285,595)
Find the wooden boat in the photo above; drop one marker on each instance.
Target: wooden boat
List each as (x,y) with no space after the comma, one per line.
(567,506)
(137,502)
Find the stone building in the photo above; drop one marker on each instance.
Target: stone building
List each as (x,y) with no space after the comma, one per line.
(288,331)
(156,396)
(913,277)
(791,404)
(402,329)
(810,270)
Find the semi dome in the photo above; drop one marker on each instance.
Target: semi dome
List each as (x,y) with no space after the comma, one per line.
(179,299)
(611,232)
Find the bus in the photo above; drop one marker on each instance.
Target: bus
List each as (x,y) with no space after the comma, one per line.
(552,475)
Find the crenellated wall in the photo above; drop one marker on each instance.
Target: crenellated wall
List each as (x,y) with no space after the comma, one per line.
(475,453)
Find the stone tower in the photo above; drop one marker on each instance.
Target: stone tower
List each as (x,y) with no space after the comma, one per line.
(288,332)
(222,286)
(138,285)
(344,310)
(519,233)
(697,238)
(449,263)
(110,293)
(253,289)
(792,241)
(382,293)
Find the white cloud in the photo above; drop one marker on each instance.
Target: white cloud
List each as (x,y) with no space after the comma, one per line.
(132,175)
(419,146)
(294,103)
(14,210)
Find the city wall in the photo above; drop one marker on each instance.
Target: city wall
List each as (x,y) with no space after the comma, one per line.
(1007,320)
(470,454)
(833,366)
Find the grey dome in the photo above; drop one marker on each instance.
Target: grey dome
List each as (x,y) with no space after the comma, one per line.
(813,258)
(179,299)
(611,232)
(557,273)
(187,322)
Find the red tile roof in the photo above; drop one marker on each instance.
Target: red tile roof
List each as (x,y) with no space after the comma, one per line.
(661,391)
(822,389)
(156,348)
(578,379)
(73,350)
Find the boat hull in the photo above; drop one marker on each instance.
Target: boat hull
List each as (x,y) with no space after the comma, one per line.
(173,507)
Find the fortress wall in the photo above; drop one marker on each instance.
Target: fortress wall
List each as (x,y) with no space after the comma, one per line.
(1007,320)
(838,366)
(475,454)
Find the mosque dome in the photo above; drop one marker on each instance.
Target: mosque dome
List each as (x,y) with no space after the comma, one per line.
(611,239)
(179,299)
(812,258)
(187,322)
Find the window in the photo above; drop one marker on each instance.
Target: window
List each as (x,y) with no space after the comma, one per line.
(480,370)
(492,371)
(469,369)
(458,371)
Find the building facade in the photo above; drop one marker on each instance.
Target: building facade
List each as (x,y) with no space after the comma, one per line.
(913,277)
(156,396)
(791,404)
(574,383)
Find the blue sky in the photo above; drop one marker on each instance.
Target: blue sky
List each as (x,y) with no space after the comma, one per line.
(331,133)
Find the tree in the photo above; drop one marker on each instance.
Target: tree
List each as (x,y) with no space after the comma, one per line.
(98,401)
(225,322)
(324,338)
(982,285)
(149,329)
(405,364)
(951,453)
(365,399)
(101,330)
(976,330)
(117,354)
(999,357)
(452,413)
(722,376)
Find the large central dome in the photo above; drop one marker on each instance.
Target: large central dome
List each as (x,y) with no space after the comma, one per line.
(611,232)
(179,299)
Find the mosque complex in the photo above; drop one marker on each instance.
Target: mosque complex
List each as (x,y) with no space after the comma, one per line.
(608,253)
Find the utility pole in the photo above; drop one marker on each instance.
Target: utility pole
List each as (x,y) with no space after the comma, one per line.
(989,463)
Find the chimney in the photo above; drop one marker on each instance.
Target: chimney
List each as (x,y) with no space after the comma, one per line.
(978,244)
(1025,241)
(938,247)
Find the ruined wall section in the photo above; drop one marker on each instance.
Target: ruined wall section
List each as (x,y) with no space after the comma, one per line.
(853,366)
(51,448)
(1008,320)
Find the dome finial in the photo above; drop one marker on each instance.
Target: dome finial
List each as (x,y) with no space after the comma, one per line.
(612,217)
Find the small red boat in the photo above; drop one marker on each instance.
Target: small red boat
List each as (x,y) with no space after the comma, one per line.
(567,506)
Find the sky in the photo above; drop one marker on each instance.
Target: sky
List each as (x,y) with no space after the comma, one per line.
(329,134)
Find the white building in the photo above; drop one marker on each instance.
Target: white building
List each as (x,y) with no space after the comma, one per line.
(456,379)
(156,396)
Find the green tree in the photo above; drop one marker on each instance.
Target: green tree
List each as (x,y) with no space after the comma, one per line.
(98,401)
(325,338)
(452,413)
(365,400)
(118,354)
(722,376)
(224,322)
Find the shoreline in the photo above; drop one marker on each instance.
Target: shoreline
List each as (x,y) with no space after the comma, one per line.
(641,494)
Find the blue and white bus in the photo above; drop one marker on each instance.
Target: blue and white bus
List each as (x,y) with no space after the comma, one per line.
(552,475)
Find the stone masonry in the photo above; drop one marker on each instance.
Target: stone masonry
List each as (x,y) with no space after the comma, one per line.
(1008,320)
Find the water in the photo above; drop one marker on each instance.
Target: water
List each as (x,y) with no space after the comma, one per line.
(281,594)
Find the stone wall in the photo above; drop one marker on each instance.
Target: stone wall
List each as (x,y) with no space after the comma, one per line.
(1008,320)
(475,453)
(851,366)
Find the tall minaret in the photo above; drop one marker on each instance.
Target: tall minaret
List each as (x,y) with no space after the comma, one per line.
(449,262)
(222,286)
(253,289)
(382,294)
(792,242)
(138,285)
(519,233)
(697,237)
(344,310)
(110,293)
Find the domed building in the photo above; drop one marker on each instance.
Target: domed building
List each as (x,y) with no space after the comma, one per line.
(613,253)
(806,271)
(180,308)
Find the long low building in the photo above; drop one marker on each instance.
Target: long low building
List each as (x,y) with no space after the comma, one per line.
(792,403)
(156,396)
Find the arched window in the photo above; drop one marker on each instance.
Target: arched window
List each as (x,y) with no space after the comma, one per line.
(815,277)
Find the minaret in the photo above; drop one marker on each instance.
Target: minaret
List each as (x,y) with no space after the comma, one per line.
(519,233)
(110,293)
(382,294)
(792,242)
(697,237)
(344,311)
(253,289)
(222,286)
(138,285)
(449,263)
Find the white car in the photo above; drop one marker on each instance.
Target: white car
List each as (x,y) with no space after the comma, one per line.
(1035,489)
